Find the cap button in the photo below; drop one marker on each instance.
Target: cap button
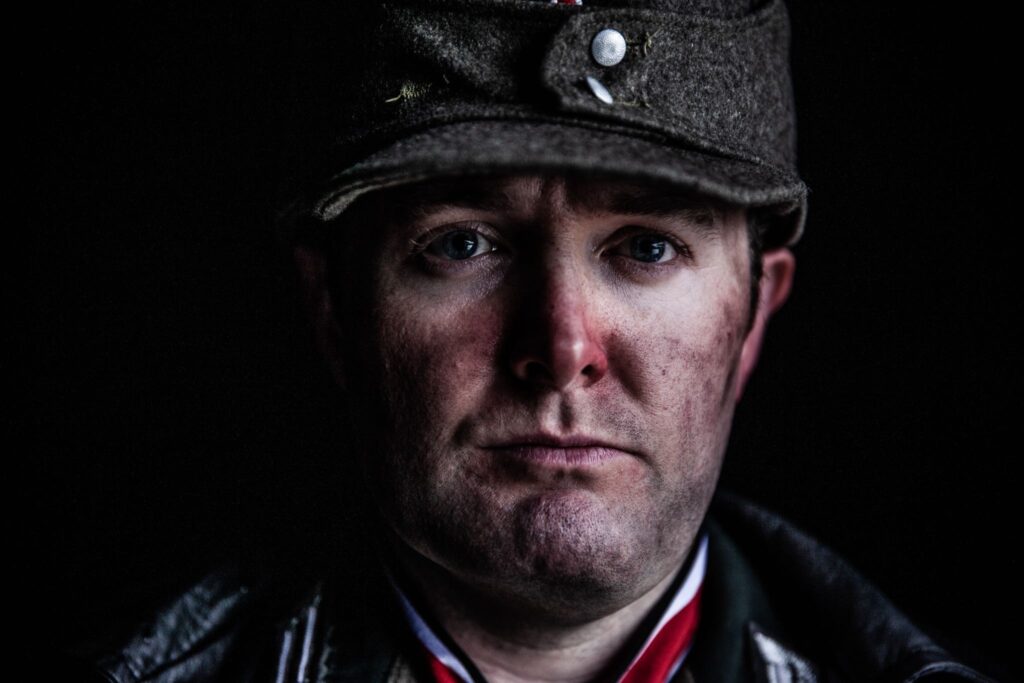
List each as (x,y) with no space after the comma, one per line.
(608,47)
(600,92)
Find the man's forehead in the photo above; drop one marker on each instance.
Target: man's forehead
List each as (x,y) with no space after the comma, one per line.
(576,194)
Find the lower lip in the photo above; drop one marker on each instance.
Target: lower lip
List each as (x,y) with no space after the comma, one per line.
(547,455)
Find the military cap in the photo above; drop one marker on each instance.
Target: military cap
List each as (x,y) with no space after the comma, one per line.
(694,93)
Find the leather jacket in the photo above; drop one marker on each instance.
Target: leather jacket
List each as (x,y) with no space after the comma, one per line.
(777,607)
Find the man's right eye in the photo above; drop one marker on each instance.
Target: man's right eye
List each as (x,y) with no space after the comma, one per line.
(460,245)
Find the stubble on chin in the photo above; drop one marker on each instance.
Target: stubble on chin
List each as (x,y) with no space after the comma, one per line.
(571,541)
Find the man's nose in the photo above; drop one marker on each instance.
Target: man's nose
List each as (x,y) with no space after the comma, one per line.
(557,340)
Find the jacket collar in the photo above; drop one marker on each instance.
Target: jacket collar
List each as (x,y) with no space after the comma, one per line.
(779,601)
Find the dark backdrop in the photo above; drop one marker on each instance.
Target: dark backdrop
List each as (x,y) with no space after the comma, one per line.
(169,408)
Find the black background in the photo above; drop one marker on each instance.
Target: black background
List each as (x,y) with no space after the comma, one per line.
(169,408)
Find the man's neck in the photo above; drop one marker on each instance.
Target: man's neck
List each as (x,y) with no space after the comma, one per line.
(510,644)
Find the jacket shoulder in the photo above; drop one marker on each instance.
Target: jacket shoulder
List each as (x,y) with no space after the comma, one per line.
(261,627)
(215,629)
(818,604)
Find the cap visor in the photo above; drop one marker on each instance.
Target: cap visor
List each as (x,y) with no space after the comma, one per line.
(504,146)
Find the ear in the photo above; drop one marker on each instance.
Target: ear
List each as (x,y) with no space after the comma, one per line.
(776,281)
(319,306)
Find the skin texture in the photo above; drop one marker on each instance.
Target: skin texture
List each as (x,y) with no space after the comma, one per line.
(555,324)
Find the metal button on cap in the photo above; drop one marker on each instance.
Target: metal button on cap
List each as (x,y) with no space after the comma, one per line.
(600,92)
(608,47)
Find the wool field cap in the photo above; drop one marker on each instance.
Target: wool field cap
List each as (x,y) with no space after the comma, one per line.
(691,93)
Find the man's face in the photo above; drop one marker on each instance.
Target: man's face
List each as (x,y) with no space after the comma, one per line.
(543,372)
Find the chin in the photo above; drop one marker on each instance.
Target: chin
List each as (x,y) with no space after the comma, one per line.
(571,553)
(568,550)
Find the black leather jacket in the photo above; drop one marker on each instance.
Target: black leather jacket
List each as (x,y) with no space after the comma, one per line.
(777,607)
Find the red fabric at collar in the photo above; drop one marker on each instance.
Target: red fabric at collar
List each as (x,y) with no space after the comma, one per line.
(440,672)
(670,646)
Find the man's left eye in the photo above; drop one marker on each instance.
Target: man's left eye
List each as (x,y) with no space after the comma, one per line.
(459,245)
(649,248)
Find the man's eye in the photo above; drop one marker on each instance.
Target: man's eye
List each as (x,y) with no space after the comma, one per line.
(649,248)
(459,245)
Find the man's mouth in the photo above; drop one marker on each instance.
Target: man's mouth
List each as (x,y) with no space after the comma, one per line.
(548,449)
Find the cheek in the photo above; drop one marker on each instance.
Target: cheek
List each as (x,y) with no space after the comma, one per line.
(697,332)
(717,359)
(689,362)
(432,365)
(424,368)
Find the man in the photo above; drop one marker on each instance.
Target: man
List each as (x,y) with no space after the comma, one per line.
(540,253)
